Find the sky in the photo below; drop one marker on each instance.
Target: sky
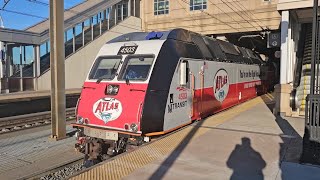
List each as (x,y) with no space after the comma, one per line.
(18,21)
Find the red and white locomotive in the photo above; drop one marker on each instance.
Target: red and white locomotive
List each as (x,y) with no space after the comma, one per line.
(147,84)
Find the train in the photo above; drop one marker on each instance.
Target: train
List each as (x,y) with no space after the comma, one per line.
(147,84)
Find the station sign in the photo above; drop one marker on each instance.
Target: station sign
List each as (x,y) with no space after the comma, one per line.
(274,40)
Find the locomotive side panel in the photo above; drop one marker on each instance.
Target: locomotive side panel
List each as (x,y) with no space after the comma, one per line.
(249,81)
(220,83)
(212,87)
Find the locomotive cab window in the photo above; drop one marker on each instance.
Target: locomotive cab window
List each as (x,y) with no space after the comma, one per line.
(105,67)
(136,67)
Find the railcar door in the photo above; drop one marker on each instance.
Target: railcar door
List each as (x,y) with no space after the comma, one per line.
(196,83)
(179,103)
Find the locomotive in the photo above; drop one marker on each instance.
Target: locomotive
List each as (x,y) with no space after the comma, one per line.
(148,84)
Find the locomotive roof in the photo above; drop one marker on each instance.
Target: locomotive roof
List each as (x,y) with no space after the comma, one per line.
(177,34)
(210,48)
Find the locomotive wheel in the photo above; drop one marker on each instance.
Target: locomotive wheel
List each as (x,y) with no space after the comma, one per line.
(122,145)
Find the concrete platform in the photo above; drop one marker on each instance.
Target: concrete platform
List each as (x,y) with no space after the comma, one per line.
(246,142)
(29,95)
(28,102)
(27,152)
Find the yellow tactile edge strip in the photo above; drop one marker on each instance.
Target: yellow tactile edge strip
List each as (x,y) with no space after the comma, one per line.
(127,163)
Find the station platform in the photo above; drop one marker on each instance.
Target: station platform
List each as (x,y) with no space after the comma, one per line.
(245,142)
(29,95)
(26,153)
(28,102)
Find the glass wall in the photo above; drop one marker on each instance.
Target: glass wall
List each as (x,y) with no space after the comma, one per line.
(22,57)
(19,67)
(119,12)
(75,38)
(44,48)
(84,32)
(68,40)
(87,31)
(96,26)
(124,10)
(22,60)
(78,36)
(111,17)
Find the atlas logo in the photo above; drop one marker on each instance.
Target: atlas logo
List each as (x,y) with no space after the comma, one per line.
(107,109)
(221,85)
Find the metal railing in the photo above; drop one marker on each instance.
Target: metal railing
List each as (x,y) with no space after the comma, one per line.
(311,138)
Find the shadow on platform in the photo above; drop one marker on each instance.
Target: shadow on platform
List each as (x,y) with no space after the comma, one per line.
(245,162)
(167,164)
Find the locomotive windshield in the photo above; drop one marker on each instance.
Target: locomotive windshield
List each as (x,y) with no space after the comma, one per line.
(105,67)
(136,68)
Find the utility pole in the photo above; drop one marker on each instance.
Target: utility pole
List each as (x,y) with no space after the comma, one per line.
(58,98)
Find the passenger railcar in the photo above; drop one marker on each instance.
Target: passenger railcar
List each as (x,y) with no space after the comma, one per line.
(147,84)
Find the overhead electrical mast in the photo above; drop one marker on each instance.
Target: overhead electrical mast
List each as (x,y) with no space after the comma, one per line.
(58,99)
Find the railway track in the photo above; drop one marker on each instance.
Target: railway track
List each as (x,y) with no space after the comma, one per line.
(16,123)
(60,171)
(69,168)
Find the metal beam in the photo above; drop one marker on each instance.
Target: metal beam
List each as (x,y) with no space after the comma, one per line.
(36,71)
(58,98)
(285,18)
(314,52)
(19,36)
(37,38)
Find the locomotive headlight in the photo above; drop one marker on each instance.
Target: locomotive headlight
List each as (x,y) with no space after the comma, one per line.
(115,89)
(109,89)
(134,127)
(80,120)
(112,89)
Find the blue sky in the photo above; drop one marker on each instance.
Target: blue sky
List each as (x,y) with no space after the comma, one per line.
(17,21)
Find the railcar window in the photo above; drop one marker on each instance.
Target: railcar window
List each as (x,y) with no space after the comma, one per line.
(198,40)
(136,68)
(250,53)
(105,68)
(215,49)
(228,48)
(244,52)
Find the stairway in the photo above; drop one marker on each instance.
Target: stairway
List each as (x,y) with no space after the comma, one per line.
(305,69)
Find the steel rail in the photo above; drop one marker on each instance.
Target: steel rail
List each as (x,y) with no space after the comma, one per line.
(15,123)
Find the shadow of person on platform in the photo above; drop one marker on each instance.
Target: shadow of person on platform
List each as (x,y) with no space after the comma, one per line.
(245,162)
